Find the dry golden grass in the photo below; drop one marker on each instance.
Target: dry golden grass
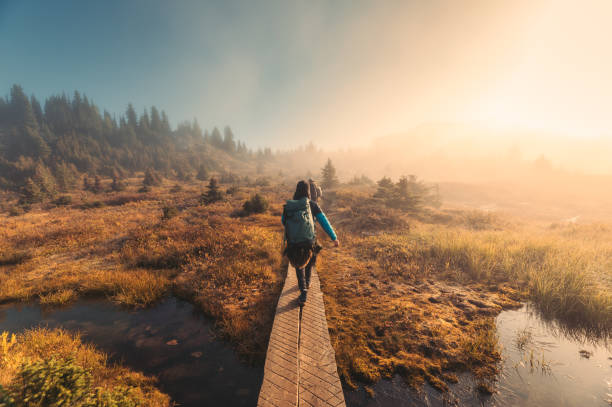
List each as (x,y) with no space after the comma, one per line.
(41,344)
(421,301)
(125,250)
(414,296)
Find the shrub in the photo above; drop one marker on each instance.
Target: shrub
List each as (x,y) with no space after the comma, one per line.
(232,190)
(176,188)
(257,204)
(5,398)
(16,210)
(262,182)
(92,205)
(56,383)
(51,383)
(10,258)
(63,200)
(117,185)
(151,178)
(169,211)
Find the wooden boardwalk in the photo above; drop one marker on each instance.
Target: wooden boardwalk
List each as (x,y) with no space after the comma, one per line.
(300,367)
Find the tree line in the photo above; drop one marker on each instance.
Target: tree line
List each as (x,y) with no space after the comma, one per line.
(47,146)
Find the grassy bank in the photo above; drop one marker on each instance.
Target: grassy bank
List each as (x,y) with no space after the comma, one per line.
(418,296)
(53,367)
(125,249)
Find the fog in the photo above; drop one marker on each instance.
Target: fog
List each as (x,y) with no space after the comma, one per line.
(529,173)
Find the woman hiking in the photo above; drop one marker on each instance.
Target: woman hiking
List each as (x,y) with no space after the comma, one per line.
(302,248)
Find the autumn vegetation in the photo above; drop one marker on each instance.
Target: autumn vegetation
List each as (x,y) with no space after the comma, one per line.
(133,211)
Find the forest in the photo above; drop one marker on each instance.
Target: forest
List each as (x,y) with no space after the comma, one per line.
(45,148)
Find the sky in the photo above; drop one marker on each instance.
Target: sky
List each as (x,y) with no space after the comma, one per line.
(338,73)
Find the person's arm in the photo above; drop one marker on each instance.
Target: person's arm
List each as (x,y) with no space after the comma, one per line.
(283,218)
(322,219)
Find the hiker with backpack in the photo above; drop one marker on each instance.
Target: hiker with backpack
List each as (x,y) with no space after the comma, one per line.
(315,191)
(302,248)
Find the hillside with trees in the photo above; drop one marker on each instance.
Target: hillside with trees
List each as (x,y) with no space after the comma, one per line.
(45,148)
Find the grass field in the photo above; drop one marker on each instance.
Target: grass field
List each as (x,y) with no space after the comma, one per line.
(413,294)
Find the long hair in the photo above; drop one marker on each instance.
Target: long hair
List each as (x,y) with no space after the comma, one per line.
(302,190)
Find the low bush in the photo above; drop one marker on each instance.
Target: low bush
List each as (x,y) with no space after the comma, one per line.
(63,200)
(13,257)
(256,204)
(169,211)
(53,368)
(92,205)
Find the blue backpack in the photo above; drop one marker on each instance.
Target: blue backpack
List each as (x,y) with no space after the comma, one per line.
(299,224)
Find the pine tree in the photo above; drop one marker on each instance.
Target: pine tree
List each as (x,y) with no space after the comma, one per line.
(117,185)
(31,192)
(65,176)
(229,144)
(202,173)
(45,180)
(86,183)
(97,187)
(213,194)
(215,138)
(151,178)
(329,179)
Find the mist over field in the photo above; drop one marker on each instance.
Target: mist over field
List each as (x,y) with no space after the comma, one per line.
(352,203)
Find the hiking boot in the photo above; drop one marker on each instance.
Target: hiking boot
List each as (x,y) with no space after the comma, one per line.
(303,295)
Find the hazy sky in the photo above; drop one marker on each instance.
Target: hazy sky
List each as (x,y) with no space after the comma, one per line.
(337,72)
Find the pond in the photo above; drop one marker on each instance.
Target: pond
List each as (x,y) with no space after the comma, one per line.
(543,365)
(171,341)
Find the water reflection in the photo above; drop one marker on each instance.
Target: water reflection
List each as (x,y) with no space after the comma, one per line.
(547,365)
(544,364)
(171,341)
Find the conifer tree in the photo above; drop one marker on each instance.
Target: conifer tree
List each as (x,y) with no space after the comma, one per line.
(213,194)
(202,173)
(31,192)
(97,187)
(229,144)
(117,185)
(86,183)
(151,178)
(329,179)
(215,138)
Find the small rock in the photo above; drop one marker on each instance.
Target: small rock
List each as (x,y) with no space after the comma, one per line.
(585,354)
(434,300)
(197,354)
(172,342)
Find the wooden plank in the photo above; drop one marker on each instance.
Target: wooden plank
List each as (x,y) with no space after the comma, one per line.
(319,381)
(300,367)
(280,383)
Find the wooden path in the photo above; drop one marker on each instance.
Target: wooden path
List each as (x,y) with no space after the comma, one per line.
(300,367)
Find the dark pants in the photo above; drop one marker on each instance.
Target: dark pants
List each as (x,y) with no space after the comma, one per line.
(303,274)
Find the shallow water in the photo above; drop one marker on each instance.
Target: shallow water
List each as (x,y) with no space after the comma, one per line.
(542,366)
(170,341)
